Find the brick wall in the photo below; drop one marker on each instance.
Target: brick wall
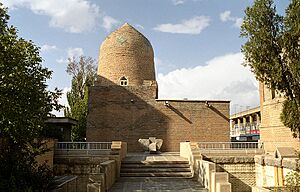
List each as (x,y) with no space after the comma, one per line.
(241,175)
(272,132)
(130,113)
(126,53)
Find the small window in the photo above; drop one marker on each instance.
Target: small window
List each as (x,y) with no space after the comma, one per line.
(273,93)
(123,81)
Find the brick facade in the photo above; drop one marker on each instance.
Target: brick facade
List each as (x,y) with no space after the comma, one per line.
(272,132)
(241,175)
(131,112)
(126,53)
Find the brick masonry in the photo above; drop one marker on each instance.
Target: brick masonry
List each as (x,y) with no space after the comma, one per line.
(131,112)
(126,53)
(241,175)
(272,132)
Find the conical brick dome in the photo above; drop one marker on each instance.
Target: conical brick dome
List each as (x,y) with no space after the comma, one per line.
(126,54)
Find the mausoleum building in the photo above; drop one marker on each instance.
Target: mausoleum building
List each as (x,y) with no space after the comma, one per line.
(124,105)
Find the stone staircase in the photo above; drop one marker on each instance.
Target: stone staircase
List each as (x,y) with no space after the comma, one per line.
(156,166)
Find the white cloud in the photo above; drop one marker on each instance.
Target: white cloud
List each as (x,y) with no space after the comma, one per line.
(226,16)
(109,23)
(63,101)
(192,26)
(75,52)
(238,22)
(62,61)
(181,2)
(221,78)
(178,2)
(46,47)
(71,52)
(73,16)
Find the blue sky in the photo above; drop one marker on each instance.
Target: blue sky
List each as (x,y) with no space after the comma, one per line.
(196,42)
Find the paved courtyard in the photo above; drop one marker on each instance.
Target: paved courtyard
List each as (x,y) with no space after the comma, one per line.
(156,184)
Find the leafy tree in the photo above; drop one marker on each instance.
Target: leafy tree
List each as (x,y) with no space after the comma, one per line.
(25,104)
(292,180)
(83,73)
(272,51)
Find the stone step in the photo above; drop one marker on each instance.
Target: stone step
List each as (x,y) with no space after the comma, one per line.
(158,174)
(141,170)
(154,162)
(155,165)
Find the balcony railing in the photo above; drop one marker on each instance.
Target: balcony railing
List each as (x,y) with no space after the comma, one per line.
(246,129)
(83,146)
(229,145)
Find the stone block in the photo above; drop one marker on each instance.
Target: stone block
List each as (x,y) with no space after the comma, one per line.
(152,147)
(206,169)
(152,144)
(152,139)
(116,145)
(218,177)
(223,187)
(159,143)
(144,143)
(290,163)
(185,149)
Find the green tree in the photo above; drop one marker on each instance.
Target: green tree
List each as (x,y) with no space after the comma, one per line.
(25,104)
(83,72)
(292,180)
(272,51)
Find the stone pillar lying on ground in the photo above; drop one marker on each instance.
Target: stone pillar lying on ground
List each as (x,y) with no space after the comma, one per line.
(152,144)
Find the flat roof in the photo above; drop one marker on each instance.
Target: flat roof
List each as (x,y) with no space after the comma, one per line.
(245,113)
(61,120)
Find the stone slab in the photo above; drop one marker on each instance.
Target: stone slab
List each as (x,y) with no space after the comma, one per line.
(157,184)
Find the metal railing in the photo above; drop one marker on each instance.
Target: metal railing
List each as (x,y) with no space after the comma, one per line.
(229,145)
(83,146)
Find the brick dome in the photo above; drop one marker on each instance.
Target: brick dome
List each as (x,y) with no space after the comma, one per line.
(126,55)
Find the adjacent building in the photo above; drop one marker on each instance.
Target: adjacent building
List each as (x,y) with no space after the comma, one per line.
(244,126)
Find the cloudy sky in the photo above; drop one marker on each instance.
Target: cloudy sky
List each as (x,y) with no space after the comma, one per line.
(196,42)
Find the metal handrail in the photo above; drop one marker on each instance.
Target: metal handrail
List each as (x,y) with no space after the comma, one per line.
(83,145)
(229,145)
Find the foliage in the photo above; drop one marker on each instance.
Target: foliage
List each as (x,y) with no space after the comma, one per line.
(272,51)
(292,180)
(25,104)
(83,73)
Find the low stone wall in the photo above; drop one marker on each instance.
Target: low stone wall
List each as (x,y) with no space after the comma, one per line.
(95,172)
(212,180)
(105,179)
(241,171)
(89,170)
(231,166)
(205,171)
(271,171)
